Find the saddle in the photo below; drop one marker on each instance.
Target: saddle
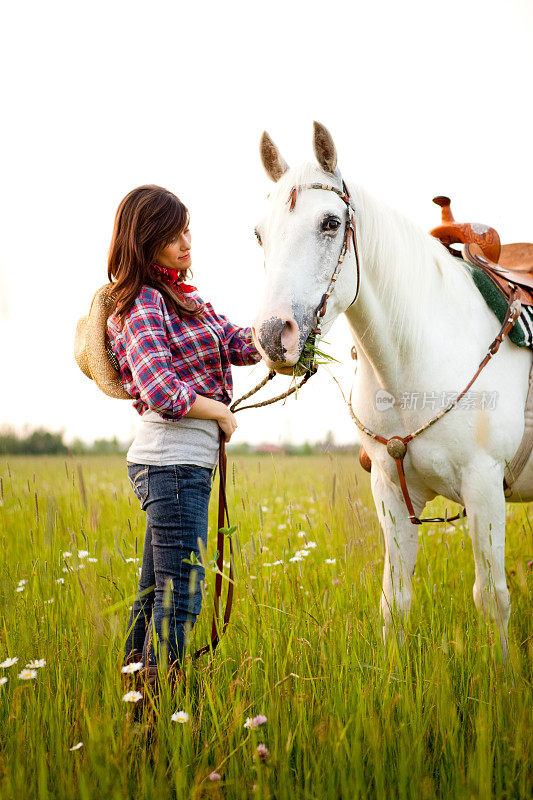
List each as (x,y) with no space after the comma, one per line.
(506,265)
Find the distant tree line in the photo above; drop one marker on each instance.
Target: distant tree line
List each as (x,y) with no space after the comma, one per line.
(41,442)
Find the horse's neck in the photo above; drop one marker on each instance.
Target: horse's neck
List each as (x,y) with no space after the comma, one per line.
(403,299)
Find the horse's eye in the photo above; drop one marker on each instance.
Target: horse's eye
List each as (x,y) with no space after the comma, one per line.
(330,224)
(258,237)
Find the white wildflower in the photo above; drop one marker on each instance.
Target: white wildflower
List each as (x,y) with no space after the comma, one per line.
(132,697)
(92,559)
(180,716)
(83,553)
(77,746)
(27,674)
(311,545)
(330,560)
(37,664)
(19,589)
(9,662)
(67,554)
(135,666)
(3,680)
(60,580)
(23,581)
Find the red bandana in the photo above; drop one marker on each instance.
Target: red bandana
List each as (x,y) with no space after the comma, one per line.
(173,277)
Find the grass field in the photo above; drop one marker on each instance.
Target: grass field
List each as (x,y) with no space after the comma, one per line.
(345,716)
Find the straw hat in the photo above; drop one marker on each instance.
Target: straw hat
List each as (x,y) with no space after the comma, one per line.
(92,350)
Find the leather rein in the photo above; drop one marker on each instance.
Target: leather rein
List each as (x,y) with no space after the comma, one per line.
(222,463)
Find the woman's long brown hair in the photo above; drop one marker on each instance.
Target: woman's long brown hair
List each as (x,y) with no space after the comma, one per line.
(147,219)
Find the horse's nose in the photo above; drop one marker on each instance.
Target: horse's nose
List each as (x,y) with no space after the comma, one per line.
(278,338)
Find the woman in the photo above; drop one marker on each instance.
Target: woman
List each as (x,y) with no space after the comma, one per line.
(175,354)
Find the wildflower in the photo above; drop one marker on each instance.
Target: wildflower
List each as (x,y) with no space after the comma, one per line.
(49,601)
(265,509)
(215,776)
(335,581)
(67,554)
(39,662)
(296,557)
(282,526)
(530,564)
(132,697)
(68,569)
(3,680)
(311,545)
(255,722)
(135,666)
(9,662)
(83,553)
(330,560)
(60,580)
(22,581)
(27,674)
(301,534)
(92,559)
(19,589)
(132,560)
(77,746)
(262,751)
(180,716)
(275,563)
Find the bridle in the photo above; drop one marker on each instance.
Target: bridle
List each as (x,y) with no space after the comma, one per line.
(349,228)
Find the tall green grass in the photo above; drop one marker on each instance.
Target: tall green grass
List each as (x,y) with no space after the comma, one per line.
(346,717)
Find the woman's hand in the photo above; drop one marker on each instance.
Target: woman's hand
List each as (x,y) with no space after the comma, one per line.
(227,422)
(207,408)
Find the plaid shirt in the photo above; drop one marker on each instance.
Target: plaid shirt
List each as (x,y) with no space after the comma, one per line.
(166,360)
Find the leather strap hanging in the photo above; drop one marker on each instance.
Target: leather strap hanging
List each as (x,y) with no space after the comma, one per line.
(222,511)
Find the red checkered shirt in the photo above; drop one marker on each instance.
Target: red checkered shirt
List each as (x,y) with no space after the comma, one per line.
(166,360)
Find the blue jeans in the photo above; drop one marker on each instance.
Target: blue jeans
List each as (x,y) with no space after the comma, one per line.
(176,501)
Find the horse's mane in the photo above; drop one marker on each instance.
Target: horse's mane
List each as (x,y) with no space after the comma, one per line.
(419,269)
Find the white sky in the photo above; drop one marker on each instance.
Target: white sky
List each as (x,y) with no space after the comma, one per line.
(422,98)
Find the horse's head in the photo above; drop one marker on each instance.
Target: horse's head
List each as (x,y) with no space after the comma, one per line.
(302,235)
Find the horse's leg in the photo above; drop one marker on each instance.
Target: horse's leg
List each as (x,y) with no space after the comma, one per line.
(401,546)
(482,491)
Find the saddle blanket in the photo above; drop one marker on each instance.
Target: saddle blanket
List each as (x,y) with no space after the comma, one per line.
(521,333)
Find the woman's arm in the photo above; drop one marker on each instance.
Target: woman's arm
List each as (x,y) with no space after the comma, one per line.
(207,408)
(240,344)
(150,361)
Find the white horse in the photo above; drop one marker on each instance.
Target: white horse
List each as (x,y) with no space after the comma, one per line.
(421,328)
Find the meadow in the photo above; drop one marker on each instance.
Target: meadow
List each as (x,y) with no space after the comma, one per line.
(346,717)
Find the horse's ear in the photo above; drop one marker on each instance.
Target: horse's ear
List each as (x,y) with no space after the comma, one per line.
(273,162)
(325,151)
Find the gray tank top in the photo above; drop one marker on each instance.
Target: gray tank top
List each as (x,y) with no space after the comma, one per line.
(162,442)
